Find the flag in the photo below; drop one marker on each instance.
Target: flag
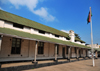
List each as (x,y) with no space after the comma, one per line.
(89,17)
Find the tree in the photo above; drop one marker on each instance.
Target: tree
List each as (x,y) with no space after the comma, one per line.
(77,36)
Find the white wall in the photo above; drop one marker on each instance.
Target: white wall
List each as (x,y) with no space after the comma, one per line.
(94,46)
(27,29)
(78,42)
(1,23)
(47,34)
(83,43)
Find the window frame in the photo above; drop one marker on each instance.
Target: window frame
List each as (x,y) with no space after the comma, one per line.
(40,47)
(16,46)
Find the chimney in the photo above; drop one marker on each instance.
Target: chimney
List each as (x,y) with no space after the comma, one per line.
(72,35)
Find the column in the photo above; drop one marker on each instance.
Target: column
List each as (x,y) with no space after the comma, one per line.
(77,54)
(69,48)
(1,36)
(35,53)
(84,53)
(56,53)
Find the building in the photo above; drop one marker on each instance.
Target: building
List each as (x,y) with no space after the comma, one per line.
(94,45)
(24,39)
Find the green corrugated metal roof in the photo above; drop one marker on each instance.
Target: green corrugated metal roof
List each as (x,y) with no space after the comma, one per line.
(6,31)
(76,39)
(26,22)
(23,21)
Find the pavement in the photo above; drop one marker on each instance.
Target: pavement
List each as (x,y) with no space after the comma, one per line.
(83,65)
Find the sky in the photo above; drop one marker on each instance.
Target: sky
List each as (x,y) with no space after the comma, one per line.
(63,15)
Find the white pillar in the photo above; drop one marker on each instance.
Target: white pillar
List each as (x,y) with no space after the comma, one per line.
(1,36)
(77,53)
(84,53)
(35,51)
(55,52)
(69,48)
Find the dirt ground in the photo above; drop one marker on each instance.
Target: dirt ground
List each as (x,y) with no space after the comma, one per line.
(84,65)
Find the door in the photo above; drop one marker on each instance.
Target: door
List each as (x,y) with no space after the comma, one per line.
(86,53)
(63,52)
(79,53)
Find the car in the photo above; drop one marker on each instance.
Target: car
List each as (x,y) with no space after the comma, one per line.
(90,55)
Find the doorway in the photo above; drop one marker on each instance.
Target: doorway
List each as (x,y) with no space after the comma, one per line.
(63,52)
(80,53)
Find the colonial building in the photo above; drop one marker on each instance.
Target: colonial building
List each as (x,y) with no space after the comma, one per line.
(24,39)
(94,45)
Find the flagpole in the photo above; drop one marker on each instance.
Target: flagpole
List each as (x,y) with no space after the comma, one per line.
(92,40)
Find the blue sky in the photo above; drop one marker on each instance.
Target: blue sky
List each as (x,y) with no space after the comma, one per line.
(60,14)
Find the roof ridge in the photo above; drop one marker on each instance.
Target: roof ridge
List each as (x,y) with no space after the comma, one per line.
(21,17)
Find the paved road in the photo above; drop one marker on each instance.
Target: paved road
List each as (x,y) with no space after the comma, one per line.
(84,65)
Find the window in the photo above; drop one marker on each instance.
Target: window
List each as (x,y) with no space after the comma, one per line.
(57,36)
(18,26)
(40,47)
(42,32)
(16,46)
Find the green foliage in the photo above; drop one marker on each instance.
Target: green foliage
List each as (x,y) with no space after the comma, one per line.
(77,36)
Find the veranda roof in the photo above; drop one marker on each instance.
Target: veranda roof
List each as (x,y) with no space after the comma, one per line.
(25,35)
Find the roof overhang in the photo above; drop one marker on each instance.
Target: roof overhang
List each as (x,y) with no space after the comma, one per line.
(28,36)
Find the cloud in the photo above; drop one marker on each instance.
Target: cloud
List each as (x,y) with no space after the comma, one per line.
(66,31)
(1,8)
(32,6)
